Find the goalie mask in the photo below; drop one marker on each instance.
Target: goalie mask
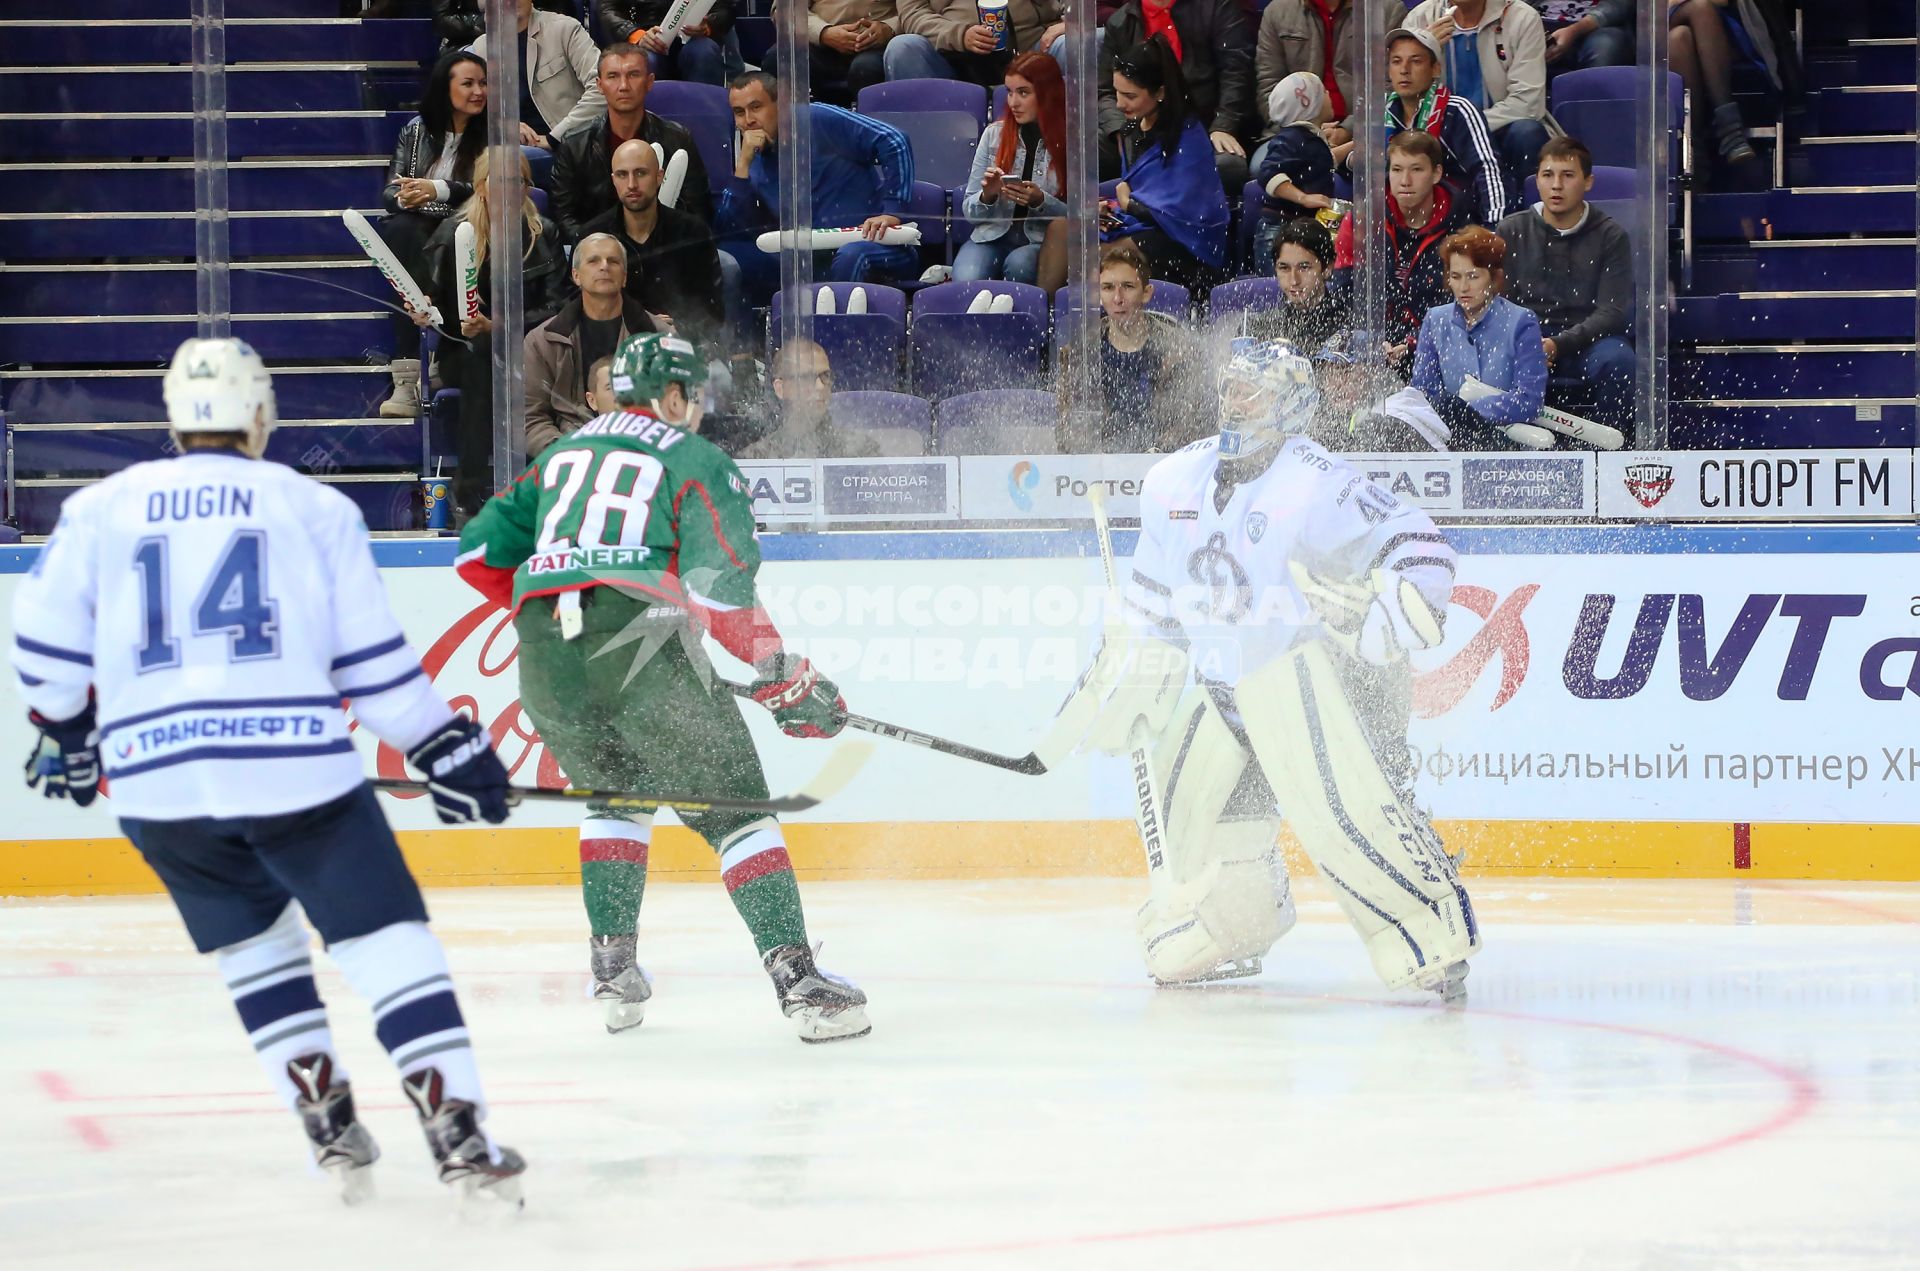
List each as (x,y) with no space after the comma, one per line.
(220,386)
(1266,391)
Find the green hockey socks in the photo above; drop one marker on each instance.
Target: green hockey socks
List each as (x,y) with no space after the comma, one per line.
(613,871)
(759,879)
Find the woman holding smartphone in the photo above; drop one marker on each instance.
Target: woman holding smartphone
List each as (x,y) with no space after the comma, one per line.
(1018,178)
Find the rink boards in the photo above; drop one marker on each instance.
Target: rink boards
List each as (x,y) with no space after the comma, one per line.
(1647,701)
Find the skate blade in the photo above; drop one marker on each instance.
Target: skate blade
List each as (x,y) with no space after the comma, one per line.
(1238,969)
(1449,982)
(622,1016)
(354,1181)
(486,1200)
(816,1025)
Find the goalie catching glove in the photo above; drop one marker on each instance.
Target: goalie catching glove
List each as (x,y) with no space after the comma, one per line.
(1381,624)
(65,763)
(463,774)
(804,702)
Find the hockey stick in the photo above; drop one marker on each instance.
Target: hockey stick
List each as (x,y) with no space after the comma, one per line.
(840,768)
(1028,765)
(1147,803)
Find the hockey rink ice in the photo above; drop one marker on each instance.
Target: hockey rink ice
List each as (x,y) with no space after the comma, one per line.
(1650,1074)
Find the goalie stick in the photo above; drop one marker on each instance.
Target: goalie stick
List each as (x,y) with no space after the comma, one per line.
(1149,809)
(832,778)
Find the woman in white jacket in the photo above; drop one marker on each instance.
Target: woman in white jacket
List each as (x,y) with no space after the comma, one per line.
(1018,178)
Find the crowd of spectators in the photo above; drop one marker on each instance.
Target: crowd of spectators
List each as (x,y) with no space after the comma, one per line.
(1493,303)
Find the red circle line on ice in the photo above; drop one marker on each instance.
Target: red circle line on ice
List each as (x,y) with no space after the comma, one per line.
(1802,1095)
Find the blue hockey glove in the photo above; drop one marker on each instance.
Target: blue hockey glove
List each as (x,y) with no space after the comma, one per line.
(65,763)
(463,774)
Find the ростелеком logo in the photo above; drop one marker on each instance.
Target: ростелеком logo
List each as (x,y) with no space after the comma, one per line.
(1023,478)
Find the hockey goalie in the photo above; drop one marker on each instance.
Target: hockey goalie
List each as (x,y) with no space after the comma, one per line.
(1260,671)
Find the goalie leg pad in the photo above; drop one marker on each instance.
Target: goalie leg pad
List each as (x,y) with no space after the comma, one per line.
(1388,870)
(1221,897)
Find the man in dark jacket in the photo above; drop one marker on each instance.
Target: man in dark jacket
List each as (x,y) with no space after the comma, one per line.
(672,267)
(1572,264)
(707,54)
(1420,213)
(1214,44)
(561,350)
(582,163)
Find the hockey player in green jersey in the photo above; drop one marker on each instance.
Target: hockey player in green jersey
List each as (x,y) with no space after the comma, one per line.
(623,542)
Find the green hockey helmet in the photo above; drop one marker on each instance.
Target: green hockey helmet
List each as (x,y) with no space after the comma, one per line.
(644,365)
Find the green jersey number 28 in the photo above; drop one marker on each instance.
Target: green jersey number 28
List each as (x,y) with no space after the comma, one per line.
(614,513)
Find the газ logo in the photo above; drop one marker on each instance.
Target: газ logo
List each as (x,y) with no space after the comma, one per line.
(1021,479)
(1648,483)
(1503,633)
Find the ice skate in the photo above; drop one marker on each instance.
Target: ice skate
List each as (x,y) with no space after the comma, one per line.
(825,1008)
(619,982)
(341,1145)
(1450,982)
(484,1173)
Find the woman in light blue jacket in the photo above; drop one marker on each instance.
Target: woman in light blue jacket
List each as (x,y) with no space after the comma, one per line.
(1480,362)
(1014,191)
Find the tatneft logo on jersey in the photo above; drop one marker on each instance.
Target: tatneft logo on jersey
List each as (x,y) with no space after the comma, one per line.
(564,559)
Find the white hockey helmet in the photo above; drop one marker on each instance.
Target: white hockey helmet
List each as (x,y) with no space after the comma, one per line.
(220,386)
(1266,391)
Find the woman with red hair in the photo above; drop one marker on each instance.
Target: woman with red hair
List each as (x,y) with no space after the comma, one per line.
(1479,361)
(1019,176)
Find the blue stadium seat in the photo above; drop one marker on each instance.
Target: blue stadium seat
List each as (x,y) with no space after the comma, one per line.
(351,390)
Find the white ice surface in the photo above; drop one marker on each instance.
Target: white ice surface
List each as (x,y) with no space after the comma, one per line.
(1685,1075)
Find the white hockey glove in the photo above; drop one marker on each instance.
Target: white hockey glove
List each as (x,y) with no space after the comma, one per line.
(1137,677)
(1397,622)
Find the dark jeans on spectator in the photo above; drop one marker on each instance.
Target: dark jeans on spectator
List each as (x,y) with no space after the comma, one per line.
(1609,46)
(407,234)
(1175,263)
(837,78)
(699,60)
(1605,393)
(856,262)
(915,57)
(1519,144)
(1469,430)
(469,368)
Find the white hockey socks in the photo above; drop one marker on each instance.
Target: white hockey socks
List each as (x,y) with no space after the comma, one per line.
(271,980)
(402,971)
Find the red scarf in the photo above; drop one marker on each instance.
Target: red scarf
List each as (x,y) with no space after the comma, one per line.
(1160,22)
(1327,76)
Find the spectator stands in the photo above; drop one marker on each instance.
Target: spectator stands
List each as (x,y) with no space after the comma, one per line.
(1792,323)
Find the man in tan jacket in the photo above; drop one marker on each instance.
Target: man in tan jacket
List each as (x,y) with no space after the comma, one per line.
(846,44)
(560,350)
(945,39)
(1315,36)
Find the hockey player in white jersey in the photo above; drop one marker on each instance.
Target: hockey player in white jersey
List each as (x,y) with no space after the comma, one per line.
(192,626)
(1270,606)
